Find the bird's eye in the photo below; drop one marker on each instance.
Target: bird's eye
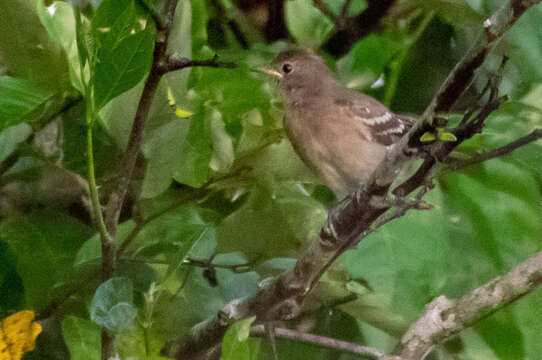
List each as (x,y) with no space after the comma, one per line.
(287,68)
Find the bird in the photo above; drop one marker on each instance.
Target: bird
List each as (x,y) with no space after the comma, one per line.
(340,133)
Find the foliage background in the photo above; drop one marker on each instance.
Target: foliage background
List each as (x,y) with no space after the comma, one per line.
(223,183)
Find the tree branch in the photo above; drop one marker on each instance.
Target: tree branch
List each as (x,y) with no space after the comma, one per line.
(178,64)
(349,221)
(116,198)
(498,152)
(161,65)
(323,341)
(445,318)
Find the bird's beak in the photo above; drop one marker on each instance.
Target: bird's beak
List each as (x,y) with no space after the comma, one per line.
(268,71)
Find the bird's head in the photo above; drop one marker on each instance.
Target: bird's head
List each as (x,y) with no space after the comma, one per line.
(299,71)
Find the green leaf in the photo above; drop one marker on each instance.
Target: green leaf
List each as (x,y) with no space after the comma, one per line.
(182,150)
(162,152)
(45,243)
(120,68)
(11,137)
(443,135)
(502,333)
(233,92)
(199,26)
(427,136)
(125,42)
(10,281)
(113,20)
(83,34)
(58,19)
(306,23)
(112,304)
(525,49)
(223,155)
(235,345)
(529,323)
(354,8)
(82,338)
(26,48)
(19,99)
(136,342)
(367,60)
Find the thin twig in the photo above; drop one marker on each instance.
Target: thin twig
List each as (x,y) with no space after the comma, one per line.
(498,152)
(402,207)
(323,341)
(182,63)
(235,268)
(327,12)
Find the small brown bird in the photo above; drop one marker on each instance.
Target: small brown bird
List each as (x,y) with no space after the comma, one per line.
(340,133)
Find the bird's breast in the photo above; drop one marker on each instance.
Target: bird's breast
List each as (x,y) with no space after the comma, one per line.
(333,144)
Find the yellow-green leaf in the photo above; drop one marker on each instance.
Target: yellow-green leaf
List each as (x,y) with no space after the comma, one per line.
(445,136)
(170,98)
(427,137)
(182,113)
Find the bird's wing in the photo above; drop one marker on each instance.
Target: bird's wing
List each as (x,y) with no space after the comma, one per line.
(379,124)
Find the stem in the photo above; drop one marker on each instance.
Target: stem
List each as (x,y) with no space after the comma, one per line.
(108,246)
(107,241)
